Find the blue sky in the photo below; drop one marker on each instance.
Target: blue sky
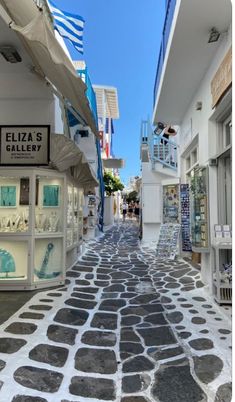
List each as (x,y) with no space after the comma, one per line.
(121,44)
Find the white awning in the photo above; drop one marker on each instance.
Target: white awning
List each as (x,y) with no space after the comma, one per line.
(113,163)
(84,175)
(110,107)
(50,59)
(65,154)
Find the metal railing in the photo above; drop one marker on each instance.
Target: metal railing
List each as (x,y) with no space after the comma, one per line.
(161,149)
(170,9)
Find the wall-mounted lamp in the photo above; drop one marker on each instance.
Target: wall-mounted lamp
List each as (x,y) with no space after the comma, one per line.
(199,106)
(159,127)
(214,35)
(10,54)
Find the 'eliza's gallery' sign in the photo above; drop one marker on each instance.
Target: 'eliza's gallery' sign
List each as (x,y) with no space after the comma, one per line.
(24,145)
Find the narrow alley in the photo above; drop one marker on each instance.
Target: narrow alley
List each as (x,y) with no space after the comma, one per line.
(126,327)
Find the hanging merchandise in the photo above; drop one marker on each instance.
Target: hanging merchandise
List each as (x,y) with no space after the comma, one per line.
(171,203)
(168,242)
(185,217)
(199,209)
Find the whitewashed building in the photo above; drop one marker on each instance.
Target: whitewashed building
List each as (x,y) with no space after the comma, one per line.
(193,91)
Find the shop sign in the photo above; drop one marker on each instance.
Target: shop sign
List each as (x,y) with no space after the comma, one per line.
(24,145)
(222,79)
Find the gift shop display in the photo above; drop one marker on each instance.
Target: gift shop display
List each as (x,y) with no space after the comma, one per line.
(199,209)
(222,273)
(168,241)
(171,203)
(90,216)
(32,229)
(185,217)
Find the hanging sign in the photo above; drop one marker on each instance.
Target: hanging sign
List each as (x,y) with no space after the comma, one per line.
(222,79)
(24,145)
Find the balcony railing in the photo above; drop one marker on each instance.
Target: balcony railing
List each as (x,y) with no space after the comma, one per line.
(164,151)
(161,149)
(170,9)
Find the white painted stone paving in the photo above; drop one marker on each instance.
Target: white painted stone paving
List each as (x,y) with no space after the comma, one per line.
(158,335)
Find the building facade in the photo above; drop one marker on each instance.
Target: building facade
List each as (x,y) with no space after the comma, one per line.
(43,173)
(193,91)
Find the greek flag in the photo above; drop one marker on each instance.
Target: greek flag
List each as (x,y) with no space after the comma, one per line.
(69,26)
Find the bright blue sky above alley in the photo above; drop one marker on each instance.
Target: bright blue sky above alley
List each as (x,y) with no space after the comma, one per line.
(121,45)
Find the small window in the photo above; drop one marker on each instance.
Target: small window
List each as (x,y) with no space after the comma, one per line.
(84,133)
(194,157)
(227,130)
(188,163)
(225,134)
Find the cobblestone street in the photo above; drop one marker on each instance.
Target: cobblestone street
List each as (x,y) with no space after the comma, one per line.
(125,328)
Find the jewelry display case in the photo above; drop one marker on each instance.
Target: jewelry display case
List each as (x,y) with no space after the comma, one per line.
(32,228)
(90,216)
(74,228)
(199,209)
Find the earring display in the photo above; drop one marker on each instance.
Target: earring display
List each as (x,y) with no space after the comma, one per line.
(74,217)
(8,196)
(51,195)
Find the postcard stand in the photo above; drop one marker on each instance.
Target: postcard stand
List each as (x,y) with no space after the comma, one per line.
(168,242)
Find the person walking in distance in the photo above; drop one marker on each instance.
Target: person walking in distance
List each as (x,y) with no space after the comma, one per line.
(124,210)
(137,210)
(130,210)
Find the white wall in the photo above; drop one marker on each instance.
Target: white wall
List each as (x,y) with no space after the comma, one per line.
(197,122)
(26,99)
(204,124)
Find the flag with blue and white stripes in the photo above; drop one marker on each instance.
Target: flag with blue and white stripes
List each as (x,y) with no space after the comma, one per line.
(69,26)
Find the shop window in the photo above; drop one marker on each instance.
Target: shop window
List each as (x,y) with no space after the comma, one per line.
(194,157)
(188,163)
(191,159)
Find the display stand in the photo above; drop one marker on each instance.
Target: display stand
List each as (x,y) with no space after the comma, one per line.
(168,242)
(185,217)
(171,203)
(90,217)
(222,275)
(74,225)
(199,210)
(32,228)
